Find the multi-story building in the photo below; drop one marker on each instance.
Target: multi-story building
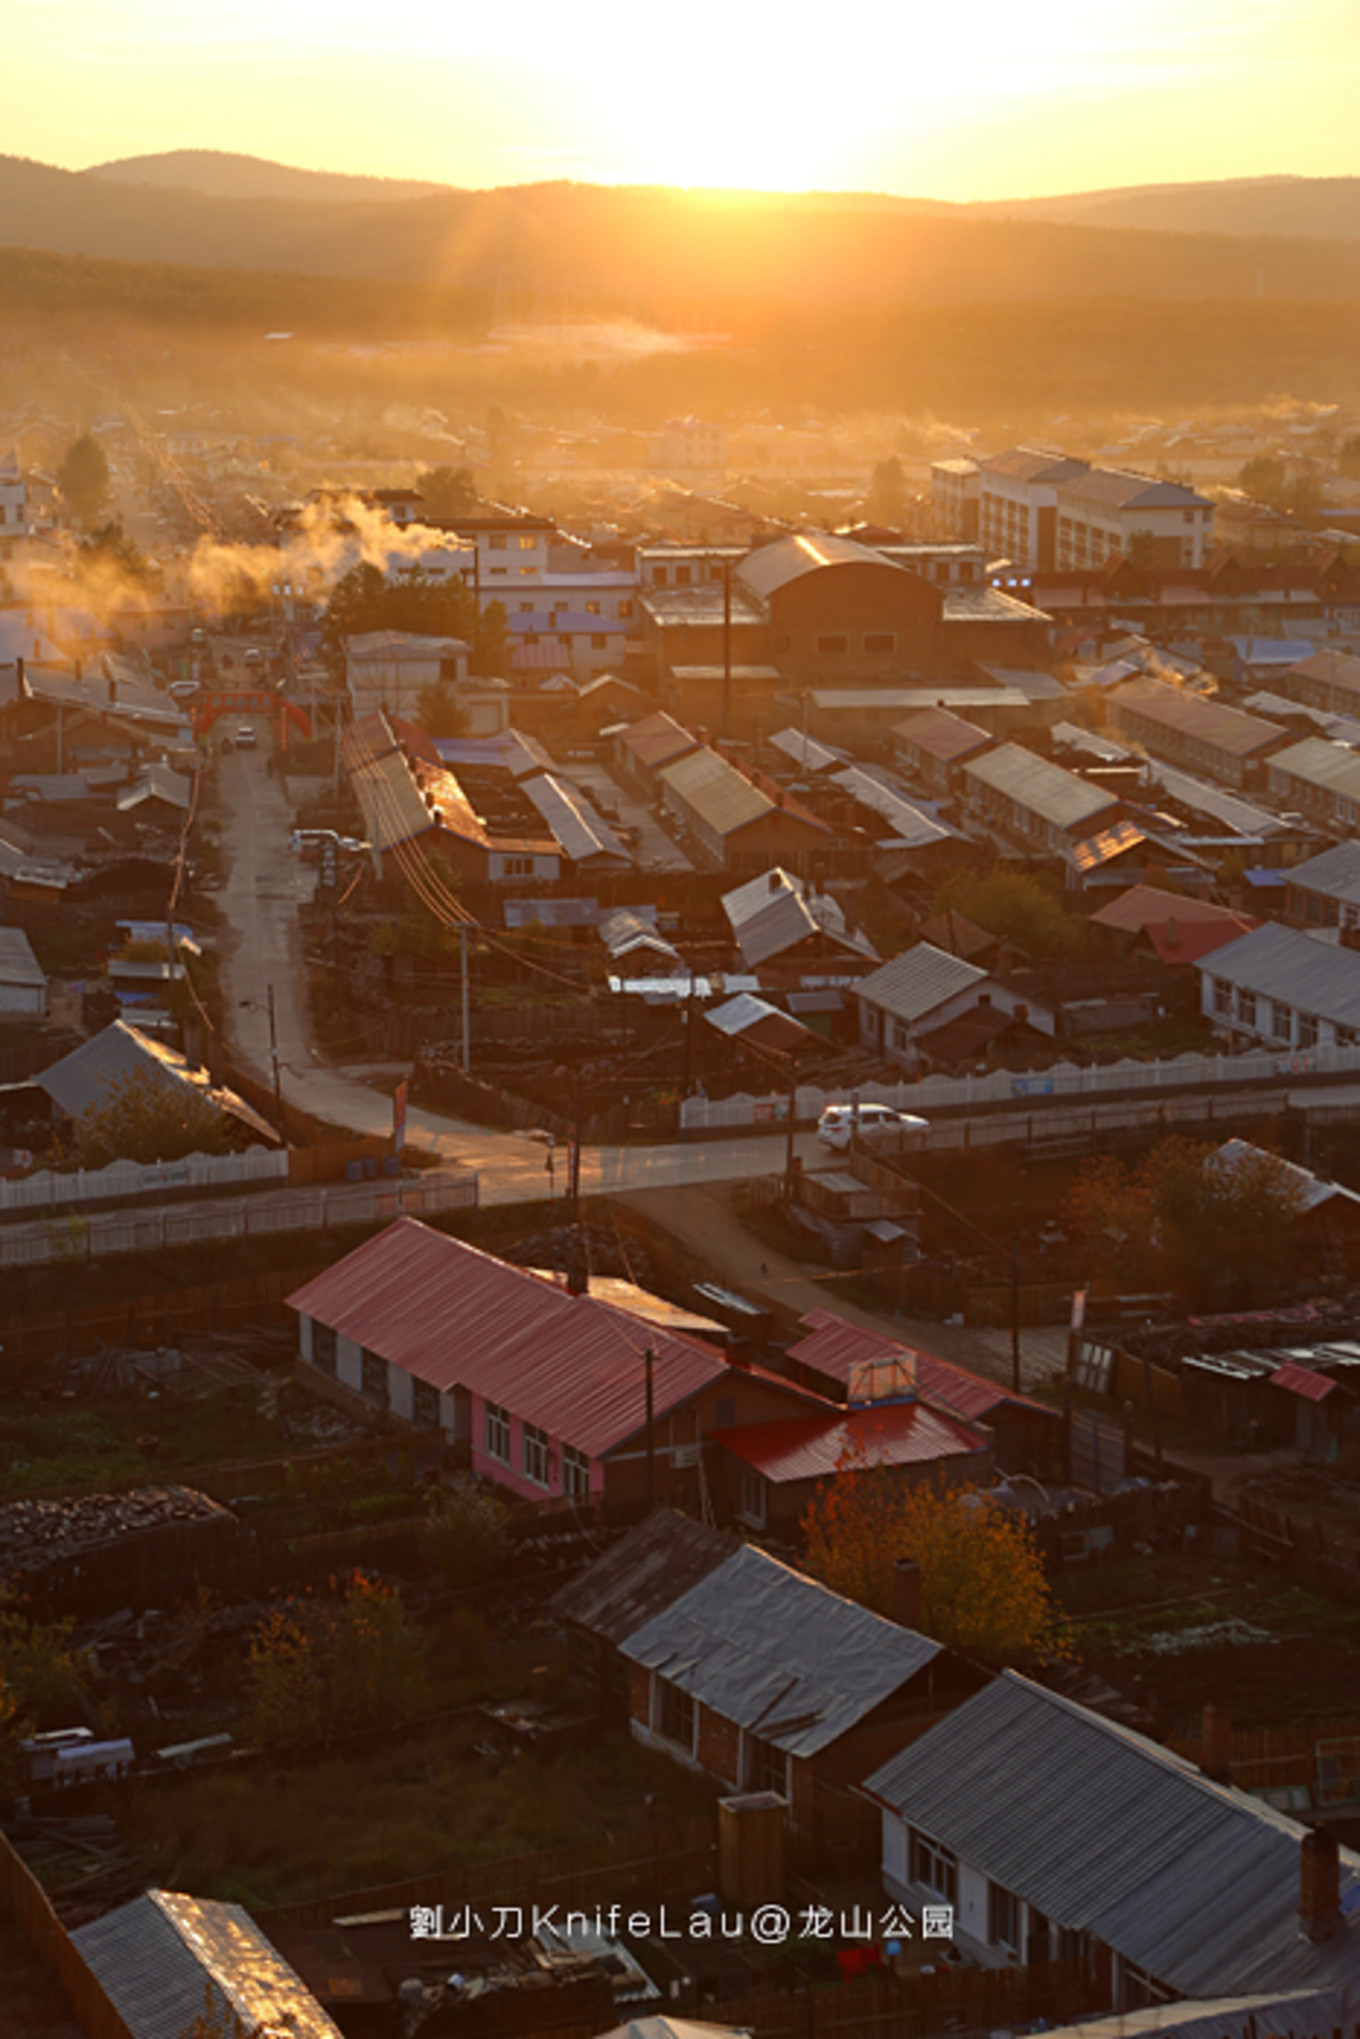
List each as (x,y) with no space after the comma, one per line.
(955,489)
(1044,510)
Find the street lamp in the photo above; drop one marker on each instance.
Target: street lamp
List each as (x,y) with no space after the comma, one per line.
(253,1005)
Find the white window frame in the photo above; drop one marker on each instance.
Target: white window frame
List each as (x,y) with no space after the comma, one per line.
(575,1473)
(496,1432)
(535,1454)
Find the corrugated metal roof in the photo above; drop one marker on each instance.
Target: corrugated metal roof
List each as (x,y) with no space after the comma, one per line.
(18,964)
(839,1349)
(653,1565)
(713,790)
(1184,713)
(1311,1190)
(656,740)
(1287,2012)
(453,1316)
(83,1078)
(1319,762)
(772,567)
(1301,1380)
(778,1653)
(1240,815)
(1148,906)
(806,752)
(156,1956)
(1106,1832)
(908,824)
(1283,963)
(816,1447)
(1335,874)
(918,982)
(1334,668)
(582,834)
(943,735)
(1042,788)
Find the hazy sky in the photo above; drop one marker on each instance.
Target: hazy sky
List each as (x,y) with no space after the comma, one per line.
(985,98)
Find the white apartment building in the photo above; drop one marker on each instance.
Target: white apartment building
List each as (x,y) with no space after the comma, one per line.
(1041,509)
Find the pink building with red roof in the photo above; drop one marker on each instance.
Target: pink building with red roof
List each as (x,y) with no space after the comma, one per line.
(539,1389)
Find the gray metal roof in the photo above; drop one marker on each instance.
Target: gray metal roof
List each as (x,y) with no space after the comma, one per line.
(907,823)
(1106,1832)
(18,964)
(83,1078)
(1319,762)
(581,833)
(806,752)
(649,1568)
(1291,2014)
(773,912)
(1242,816)
(1283,963)
(715,791)
(772,567)
(1335,874)
(918,983)
(156,1956)
(772,1650)
(1042,788)
(1185,713)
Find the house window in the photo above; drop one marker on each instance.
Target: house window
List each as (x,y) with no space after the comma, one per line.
(1003,1917)
(375,1377)
(534,1454)
(497,541)
(625,611)
(323,1347)
(674,1714)
(880,643)
(497,1433)
(1223,998)
(1246,1008)
(575,1473)
(683,576)
(935,1867)
(526,573)
(526,608)
(1308,1030)
(766,1767)
(753,1490)
(829,645)
(598,643)
(425,1407)
(1282,1022)
(592,608)
(527,543)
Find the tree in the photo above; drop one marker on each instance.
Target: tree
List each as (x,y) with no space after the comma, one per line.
(1013,906)
(439,710)
(489,640)
(983,1589)
(448,491)
(40,1678)
(148,1119)
(466,1533)
(83,477)
(322,1667)
(1215,1227)
(365,599)
(109,565)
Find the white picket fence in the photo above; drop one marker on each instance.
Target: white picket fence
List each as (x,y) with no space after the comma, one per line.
(82,1236)
(1065,1081)
(46,1190)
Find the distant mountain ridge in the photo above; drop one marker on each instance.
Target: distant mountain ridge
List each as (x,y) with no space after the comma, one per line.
(218,173)
(575,245)
(1327,207)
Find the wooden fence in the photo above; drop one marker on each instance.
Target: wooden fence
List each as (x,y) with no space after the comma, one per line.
(154,1318)
(24,1898)
(649,1866)
(1324,1759)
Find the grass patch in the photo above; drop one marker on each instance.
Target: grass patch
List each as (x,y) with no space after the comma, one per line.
(280,1834)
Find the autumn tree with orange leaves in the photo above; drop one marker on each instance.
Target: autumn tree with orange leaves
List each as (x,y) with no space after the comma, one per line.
(983,1590)
(327,1665)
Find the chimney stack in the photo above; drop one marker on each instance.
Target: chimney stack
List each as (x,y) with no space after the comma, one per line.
(906,1593)
(1319,1884)
(1215,1749)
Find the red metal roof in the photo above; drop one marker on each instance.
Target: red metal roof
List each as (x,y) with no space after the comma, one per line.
(836,1348)
(815,1447)
(1301,1380)
(447,1313)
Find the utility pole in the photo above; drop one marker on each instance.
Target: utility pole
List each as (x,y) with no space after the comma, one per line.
(648,1361)
(1015,1312)
(790,1160)
(727,649)
(463,962)
(274,1058)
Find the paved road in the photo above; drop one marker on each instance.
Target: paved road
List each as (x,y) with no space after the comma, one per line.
(261,946)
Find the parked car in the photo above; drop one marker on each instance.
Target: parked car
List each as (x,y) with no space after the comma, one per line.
(245,737)
(253,657)
(839,1123)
